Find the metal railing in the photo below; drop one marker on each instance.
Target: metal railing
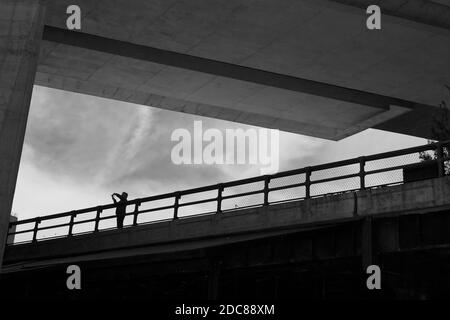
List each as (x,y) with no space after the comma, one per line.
(336,177)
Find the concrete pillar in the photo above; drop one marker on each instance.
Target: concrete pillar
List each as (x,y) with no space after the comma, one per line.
(21,26)
(366,243)
(213,280)
(10,239)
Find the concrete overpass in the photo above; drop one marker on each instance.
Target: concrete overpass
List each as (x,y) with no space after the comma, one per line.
(186,234)
(308,67)
(400,225)
(311,249)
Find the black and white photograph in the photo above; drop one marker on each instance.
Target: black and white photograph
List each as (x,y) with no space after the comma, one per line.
(218,157)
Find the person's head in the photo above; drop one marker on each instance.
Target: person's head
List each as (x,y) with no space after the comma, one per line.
(124,195)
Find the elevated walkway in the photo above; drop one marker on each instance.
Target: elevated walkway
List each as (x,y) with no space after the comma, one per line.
(301,207)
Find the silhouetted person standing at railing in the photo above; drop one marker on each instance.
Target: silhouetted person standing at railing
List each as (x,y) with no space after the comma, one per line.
(121,207)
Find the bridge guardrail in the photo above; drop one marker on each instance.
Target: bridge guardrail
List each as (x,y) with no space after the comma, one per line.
(341,176)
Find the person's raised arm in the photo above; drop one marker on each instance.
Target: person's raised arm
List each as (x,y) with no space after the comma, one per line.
(114,199)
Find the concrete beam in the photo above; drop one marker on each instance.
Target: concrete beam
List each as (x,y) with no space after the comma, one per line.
(218,68)
(21,25)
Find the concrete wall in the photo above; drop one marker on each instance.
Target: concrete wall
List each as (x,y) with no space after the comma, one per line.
(21,23)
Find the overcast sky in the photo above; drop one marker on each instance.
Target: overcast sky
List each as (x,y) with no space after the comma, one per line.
(79,149)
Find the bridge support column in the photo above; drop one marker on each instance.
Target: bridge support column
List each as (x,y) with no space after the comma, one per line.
(21,26)
(213,280)
(366,243)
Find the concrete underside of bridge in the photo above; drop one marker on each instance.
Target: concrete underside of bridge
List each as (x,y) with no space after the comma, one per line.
(315,248)
(308,66)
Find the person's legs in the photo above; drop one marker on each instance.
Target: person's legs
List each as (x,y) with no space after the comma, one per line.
(120,219)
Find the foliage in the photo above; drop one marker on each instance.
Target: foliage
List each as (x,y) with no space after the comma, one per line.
(440,131)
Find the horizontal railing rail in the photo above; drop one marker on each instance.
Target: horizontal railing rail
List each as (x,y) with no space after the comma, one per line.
(303,178)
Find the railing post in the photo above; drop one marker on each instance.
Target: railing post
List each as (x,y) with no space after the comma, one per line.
(175,207)
(308,183)
(97,219)
(136,212)
(219,198)
(362,173)
(36,228)
(72,219)
(266,190)
(440,159)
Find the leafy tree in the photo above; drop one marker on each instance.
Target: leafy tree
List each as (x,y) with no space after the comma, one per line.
(440,131)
